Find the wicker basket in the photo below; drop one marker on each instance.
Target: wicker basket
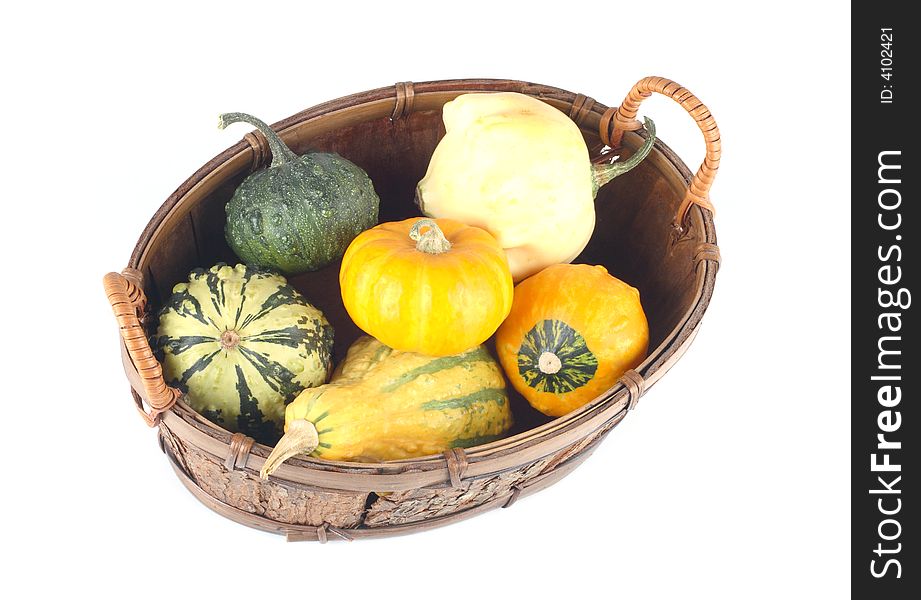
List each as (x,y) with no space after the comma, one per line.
(654,230)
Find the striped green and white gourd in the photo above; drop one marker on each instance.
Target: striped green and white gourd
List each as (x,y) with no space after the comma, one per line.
(241,344)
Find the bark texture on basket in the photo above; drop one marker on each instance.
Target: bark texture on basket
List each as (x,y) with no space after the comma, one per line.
(294,504)
(244,490)
(324,500)
(425,503)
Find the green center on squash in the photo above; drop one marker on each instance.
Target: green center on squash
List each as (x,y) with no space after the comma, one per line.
(554,358)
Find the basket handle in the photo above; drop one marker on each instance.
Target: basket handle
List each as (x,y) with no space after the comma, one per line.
(126,295)
(624,119)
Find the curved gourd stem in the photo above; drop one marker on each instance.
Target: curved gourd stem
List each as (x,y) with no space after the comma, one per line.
(280,151)
(433,241)
(602,174)
(300,438)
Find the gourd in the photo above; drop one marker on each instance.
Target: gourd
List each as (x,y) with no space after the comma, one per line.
(571,334)
(242,343)
(518,168)
(383,404)
(300,213)
(438,287)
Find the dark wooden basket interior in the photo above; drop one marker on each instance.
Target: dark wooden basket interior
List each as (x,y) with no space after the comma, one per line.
(632,239)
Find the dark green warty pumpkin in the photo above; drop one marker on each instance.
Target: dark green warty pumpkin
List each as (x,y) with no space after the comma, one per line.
(301,213)
(241,344)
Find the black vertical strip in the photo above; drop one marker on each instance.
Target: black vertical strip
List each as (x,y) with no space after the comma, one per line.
(198,252)
(152,289)
(884,323)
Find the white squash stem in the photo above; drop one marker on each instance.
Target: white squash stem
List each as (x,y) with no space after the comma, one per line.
(300,438)
(602,174)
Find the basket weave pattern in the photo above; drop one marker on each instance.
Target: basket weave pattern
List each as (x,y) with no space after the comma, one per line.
(242,489)
(320,500)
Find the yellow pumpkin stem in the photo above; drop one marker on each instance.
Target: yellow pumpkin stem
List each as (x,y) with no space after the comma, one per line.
(433,241)
(300,438)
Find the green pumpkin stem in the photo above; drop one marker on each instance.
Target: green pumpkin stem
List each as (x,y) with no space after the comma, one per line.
(280,151)
(602,174)
(432,241)
(300,438)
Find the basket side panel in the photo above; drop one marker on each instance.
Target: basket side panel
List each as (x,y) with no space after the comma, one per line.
(293,504)
(399,508)
(244,490)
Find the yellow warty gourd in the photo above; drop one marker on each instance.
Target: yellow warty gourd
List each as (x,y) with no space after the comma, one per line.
(519,168)
(383,404)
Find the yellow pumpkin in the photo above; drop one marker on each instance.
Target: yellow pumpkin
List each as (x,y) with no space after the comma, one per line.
(572,332)
(437,287)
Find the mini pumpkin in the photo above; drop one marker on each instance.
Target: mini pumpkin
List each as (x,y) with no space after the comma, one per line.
(433,286)
(572,332)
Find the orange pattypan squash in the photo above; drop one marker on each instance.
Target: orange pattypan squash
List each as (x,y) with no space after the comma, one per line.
(433,286)
(572,332)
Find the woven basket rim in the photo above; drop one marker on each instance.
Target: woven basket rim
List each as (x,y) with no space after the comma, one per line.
(506,453)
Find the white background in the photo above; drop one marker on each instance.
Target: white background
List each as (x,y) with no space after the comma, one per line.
(729,481)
